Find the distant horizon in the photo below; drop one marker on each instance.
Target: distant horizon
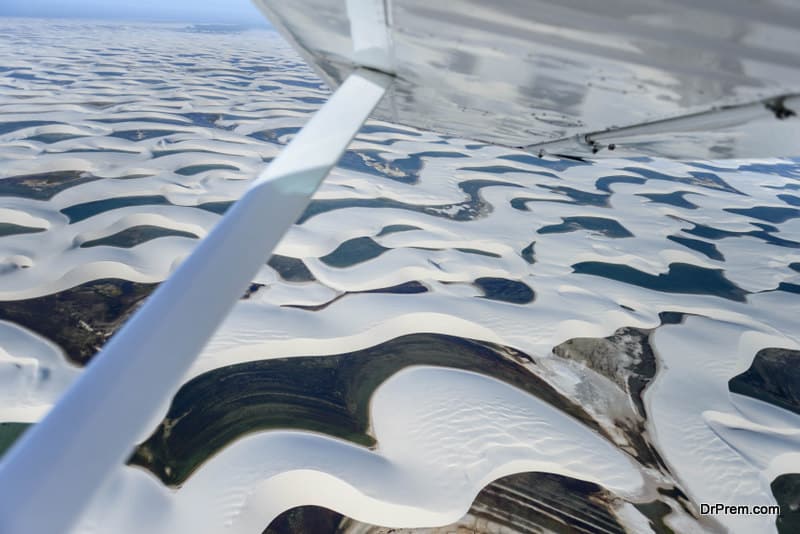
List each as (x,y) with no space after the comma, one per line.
(265,24)
(240,12)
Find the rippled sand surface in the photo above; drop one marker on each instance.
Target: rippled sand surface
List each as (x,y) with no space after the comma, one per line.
(453,336)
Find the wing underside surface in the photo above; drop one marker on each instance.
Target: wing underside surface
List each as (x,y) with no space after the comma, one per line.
(660,77)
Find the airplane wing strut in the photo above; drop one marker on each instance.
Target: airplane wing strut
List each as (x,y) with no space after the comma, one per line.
(50,475)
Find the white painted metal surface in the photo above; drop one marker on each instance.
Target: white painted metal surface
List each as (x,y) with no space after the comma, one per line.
(528,73)
(370,33)
(52,472)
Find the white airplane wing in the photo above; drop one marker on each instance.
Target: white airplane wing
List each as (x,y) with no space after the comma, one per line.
(674,78)
(667,77)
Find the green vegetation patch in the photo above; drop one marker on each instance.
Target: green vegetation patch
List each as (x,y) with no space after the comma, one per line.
(79,319)
(786,489)
(328,394)
(523,502)
(16,229)
(773,377)
(136,235)
(9,433)
(43,186)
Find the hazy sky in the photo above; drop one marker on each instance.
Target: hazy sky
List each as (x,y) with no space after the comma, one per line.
(223,11)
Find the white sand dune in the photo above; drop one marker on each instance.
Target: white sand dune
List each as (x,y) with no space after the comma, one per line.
(145,126)
(33,373)
(443,434)
(721,453)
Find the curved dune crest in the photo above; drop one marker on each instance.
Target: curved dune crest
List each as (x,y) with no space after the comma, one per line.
(33,373)
(720,446)
(443,434)
(122,143)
